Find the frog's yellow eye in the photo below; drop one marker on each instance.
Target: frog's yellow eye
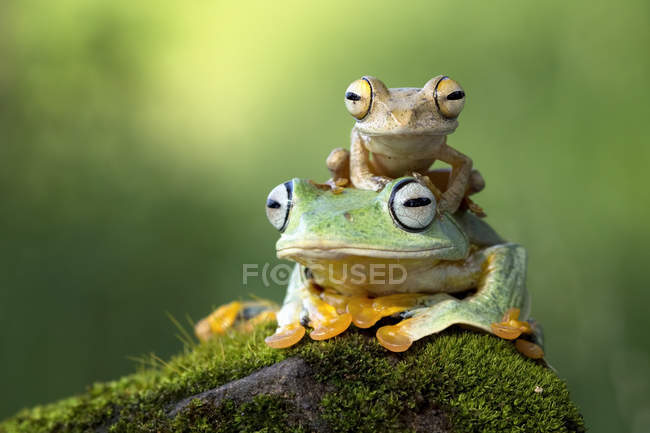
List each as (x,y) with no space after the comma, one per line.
(278,205)
(449,97)
(412,205)
(358,98)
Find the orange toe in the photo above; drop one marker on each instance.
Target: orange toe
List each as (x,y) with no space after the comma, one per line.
(337,301)
(366,312)
(202,330)
(366,318)
(331,328)
(505,331)
(286,337)
(528,349)
(364,315)
(523,326)
(393,339)
(510,326)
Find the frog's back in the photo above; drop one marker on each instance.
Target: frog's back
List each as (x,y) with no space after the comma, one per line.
(477,230)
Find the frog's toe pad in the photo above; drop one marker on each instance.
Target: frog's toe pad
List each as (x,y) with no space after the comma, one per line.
(363,313)
(528,349)
(203,330)
(286,337)
(366,318)
(331,328)
(505,331)
(510,326)
(393,339)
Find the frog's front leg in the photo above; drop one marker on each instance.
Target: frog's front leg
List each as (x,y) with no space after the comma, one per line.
(501,287)
(303,300)
(289,330)
(361,174)
(460,177)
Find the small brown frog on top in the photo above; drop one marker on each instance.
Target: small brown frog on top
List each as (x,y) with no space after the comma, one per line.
(404,130)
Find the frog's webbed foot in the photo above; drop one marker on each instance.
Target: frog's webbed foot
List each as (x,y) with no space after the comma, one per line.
(244,315)
(338,185)
(366,311)
(511,328)
(309,307)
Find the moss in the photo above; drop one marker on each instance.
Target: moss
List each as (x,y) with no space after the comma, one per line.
(479,381)
(264,413)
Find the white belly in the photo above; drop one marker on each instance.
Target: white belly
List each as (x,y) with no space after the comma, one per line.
(399,155)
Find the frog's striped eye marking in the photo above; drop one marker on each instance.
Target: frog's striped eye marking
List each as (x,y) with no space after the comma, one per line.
(449,97)
(358,98)
(412,206)
(278,205)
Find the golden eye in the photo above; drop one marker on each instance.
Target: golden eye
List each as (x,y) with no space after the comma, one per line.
(450,97)
(358,98)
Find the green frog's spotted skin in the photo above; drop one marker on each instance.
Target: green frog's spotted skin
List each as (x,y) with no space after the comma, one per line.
(328,234)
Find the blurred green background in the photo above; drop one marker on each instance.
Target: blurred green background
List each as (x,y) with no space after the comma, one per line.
(138,142)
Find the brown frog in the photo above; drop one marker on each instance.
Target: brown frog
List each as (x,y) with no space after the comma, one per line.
(404,130)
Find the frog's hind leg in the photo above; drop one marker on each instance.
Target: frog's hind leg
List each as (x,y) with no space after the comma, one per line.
(501,287)
(244,315)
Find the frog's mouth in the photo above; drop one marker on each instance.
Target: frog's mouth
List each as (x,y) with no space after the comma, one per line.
(401,133)
(320,252)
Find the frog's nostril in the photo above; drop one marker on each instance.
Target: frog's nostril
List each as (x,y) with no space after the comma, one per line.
(348,216)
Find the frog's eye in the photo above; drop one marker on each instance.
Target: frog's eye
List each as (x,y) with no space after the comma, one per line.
(278,205)
(449,97)
(412,205)
(358,98)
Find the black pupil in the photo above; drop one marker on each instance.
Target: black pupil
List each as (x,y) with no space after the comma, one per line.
(456,94)
(270,203)
(352,96)
(417,202)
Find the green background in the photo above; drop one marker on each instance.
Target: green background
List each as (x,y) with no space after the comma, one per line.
(138,142)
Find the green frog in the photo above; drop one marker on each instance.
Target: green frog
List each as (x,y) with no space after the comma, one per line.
(363,255)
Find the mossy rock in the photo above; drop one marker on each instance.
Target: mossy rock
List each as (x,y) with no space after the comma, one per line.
(458,381)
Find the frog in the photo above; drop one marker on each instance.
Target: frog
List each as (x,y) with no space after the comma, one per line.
(403,130)
(450,268)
